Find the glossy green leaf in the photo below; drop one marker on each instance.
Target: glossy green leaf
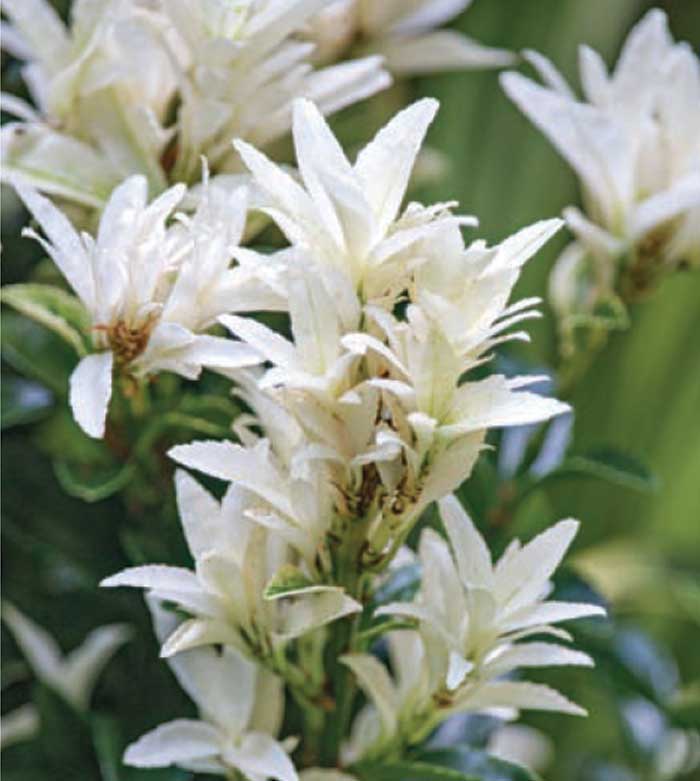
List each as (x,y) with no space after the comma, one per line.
(107,742)
(610,465)
(92,483)
(36,352)
(476,763)
(64,736)
(53,308)
(408,771)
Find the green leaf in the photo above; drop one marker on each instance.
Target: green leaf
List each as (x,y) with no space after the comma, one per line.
(107,742)
(476,763)
(36,353)
(90,482)
(64,736)
(408,771)
(23,401)
(612,466)
(53,308)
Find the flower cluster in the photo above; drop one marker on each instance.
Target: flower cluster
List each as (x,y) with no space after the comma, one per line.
(150,86)
(389,311)
(471,614)
(402,32)
(635,146)
(368,414)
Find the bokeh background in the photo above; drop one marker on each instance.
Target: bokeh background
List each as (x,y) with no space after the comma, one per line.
(640,549)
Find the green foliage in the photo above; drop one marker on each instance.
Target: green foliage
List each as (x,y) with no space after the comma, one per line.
(409,771)
(23,401)
(476,763)
(36,352)
(53,308)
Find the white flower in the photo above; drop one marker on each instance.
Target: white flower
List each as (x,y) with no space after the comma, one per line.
(346,217)
(74,675)
(471,615)
(240,708)
(150,290)
(404,32)
(235,560)
(635,146)
(240,73)
(102,87)
(105,86)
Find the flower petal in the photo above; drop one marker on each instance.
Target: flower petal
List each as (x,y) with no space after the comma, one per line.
(177,741)
(90,392)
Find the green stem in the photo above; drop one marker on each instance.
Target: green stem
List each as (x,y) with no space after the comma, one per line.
(571,371)
(349,574)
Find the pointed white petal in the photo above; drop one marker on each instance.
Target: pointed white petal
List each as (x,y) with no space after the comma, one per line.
(522,580)
(316,610)
(521,246)
(374,679)
(551,612)
(173,743)
(535,655)
(548,73)
(517,694)
(385,164)
(156,577)
(83,665)
(39,648)
(42,29)
(66,248)
(260,756)
(497,402)
(413,17)
(665,205)
(263,339)
(197,509)
(90,392)
(470,550)
(436,51)
(19,725)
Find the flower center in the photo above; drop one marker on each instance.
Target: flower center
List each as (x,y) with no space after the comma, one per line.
(128,341)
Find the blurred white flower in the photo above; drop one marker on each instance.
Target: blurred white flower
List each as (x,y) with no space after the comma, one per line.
(404,33)
(19,725)
(150,289)
(101,86)
(139,87)
(240,71)
(229,596)
(471,614)
(635,146)
(73,675)
(522,745)
(240,707)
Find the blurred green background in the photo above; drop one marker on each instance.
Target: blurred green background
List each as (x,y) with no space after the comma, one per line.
(642,395)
